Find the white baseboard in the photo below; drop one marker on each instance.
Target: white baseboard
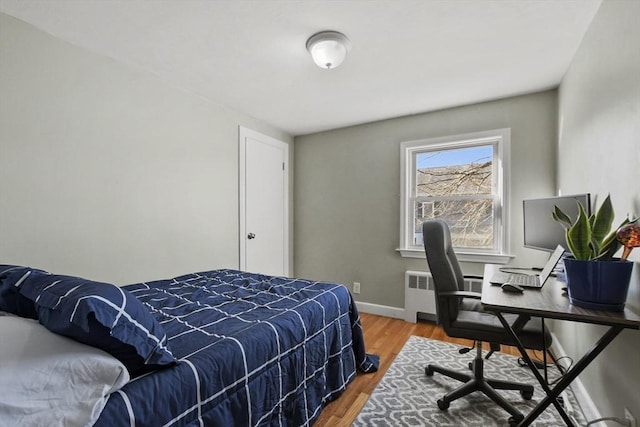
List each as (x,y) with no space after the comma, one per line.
(380,310)
(587,406)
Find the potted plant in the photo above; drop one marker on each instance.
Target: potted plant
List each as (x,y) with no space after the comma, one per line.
(595,279)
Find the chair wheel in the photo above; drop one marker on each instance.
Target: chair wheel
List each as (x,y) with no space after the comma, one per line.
(428,371)
(443,405)
(526,395)
(515,420)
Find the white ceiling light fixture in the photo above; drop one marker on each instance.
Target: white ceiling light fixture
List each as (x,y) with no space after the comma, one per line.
(328,48)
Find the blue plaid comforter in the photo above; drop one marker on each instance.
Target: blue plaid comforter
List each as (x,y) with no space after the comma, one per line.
(253,350)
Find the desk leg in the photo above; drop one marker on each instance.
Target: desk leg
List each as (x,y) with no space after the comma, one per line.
(543,383)
(552,394)
(573,373)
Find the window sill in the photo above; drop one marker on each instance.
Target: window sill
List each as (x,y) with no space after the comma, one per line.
(462,256)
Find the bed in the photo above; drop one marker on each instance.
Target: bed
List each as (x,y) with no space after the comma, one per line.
(221,348)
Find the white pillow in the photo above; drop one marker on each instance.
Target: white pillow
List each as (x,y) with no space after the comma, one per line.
(48,379)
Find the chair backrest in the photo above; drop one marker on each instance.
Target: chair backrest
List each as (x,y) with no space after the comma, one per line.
(444,267)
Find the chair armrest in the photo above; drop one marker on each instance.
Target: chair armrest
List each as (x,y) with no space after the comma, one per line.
(520,322)
(461,294)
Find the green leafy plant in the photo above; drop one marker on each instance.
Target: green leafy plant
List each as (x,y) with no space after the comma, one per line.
(591,238)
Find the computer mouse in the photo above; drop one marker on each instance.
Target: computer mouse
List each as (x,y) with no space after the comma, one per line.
(512,287)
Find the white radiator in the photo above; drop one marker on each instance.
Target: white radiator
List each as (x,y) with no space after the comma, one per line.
(419,296)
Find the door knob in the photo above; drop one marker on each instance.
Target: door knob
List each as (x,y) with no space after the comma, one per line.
(251,236)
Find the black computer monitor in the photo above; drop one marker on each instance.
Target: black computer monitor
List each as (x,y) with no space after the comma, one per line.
(541,231)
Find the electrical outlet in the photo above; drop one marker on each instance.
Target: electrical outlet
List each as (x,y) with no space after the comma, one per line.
(356,287)
(631,420)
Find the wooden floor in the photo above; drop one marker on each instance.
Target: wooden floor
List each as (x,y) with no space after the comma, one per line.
(385,337)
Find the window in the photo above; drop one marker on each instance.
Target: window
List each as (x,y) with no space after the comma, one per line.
(461,180)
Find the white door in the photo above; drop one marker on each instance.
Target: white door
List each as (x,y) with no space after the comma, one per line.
(264,189)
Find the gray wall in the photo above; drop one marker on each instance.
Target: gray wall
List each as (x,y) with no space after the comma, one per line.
(106,171)
(599,151)
(347,216)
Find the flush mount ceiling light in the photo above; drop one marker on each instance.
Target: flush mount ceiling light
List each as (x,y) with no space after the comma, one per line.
(328,48)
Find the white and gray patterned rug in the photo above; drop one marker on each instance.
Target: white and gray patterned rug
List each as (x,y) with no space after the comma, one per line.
(407,397)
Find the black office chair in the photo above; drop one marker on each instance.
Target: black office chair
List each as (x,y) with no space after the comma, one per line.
(462,316)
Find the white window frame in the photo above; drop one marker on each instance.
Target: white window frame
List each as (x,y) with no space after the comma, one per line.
(501,140)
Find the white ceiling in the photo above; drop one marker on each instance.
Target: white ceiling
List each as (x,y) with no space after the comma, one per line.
(407,56)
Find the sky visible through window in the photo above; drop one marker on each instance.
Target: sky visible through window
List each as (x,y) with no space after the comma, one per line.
(450,157)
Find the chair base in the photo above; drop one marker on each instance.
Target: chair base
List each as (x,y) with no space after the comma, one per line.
(477,382)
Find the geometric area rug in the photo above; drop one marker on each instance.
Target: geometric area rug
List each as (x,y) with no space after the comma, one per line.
(407,397)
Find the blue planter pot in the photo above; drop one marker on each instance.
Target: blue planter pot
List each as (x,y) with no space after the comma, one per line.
(600,285)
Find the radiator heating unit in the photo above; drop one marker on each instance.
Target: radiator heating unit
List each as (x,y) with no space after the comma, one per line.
(419,295)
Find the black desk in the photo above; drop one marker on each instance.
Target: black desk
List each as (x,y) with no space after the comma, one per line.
(551,302)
